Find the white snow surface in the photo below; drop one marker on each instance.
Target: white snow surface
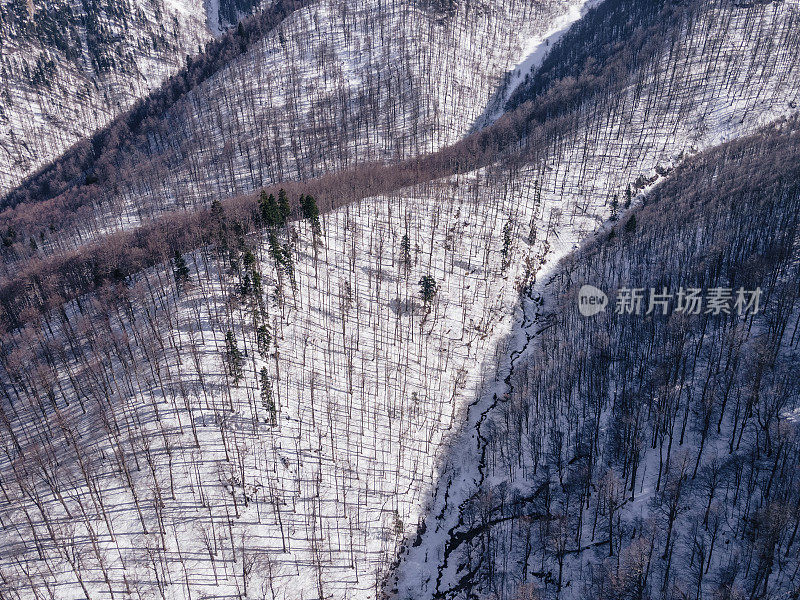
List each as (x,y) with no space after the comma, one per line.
(212,16)
(536,50)
(369,392)
(370,395)
(148,40)
(335,85)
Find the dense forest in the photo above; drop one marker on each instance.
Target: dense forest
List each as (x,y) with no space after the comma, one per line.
(304,321)
(635,455)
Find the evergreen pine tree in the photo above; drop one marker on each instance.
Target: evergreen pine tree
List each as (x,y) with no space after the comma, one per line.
(284,210)
(220,227)
(258,286)
(405,251)
(263,340)
(276,251)
(428,289)
(179,270)
(246,287)
(249,260)
(507,240)
(614,207)
(234,361)
(288,264)
(311,213)
(269,210)
(266,396)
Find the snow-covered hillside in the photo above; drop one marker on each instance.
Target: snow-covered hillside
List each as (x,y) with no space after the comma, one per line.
(283,112)
(586,166)
(282,414)
(634,456)
(69,67)
(366,377)
(336,84)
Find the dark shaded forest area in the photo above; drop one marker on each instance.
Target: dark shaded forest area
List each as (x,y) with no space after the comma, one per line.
(654,456)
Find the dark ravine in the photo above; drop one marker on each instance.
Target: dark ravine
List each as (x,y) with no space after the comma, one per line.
(456,534)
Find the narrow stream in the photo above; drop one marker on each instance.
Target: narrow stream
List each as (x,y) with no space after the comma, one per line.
(464,475)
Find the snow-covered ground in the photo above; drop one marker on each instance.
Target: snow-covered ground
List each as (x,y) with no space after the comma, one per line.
(370,389)
(141,44)
(368,101)
(422,572)
(369,384)
(335,85)
(534,52)
(601,157)
(483,471)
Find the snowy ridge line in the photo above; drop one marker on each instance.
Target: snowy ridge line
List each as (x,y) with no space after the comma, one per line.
(711,114)
(310,99)
(71,67)
(73,88)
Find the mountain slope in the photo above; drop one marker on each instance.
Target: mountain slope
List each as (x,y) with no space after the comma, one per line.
(68,68)
(269,413)
(330,88)
(634,456)
(360,377)
(716,95)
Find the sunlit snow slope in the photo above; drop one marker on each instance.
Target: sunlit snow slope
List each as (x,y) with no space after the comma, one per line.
(336,84)
(162,476)
(70,67)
